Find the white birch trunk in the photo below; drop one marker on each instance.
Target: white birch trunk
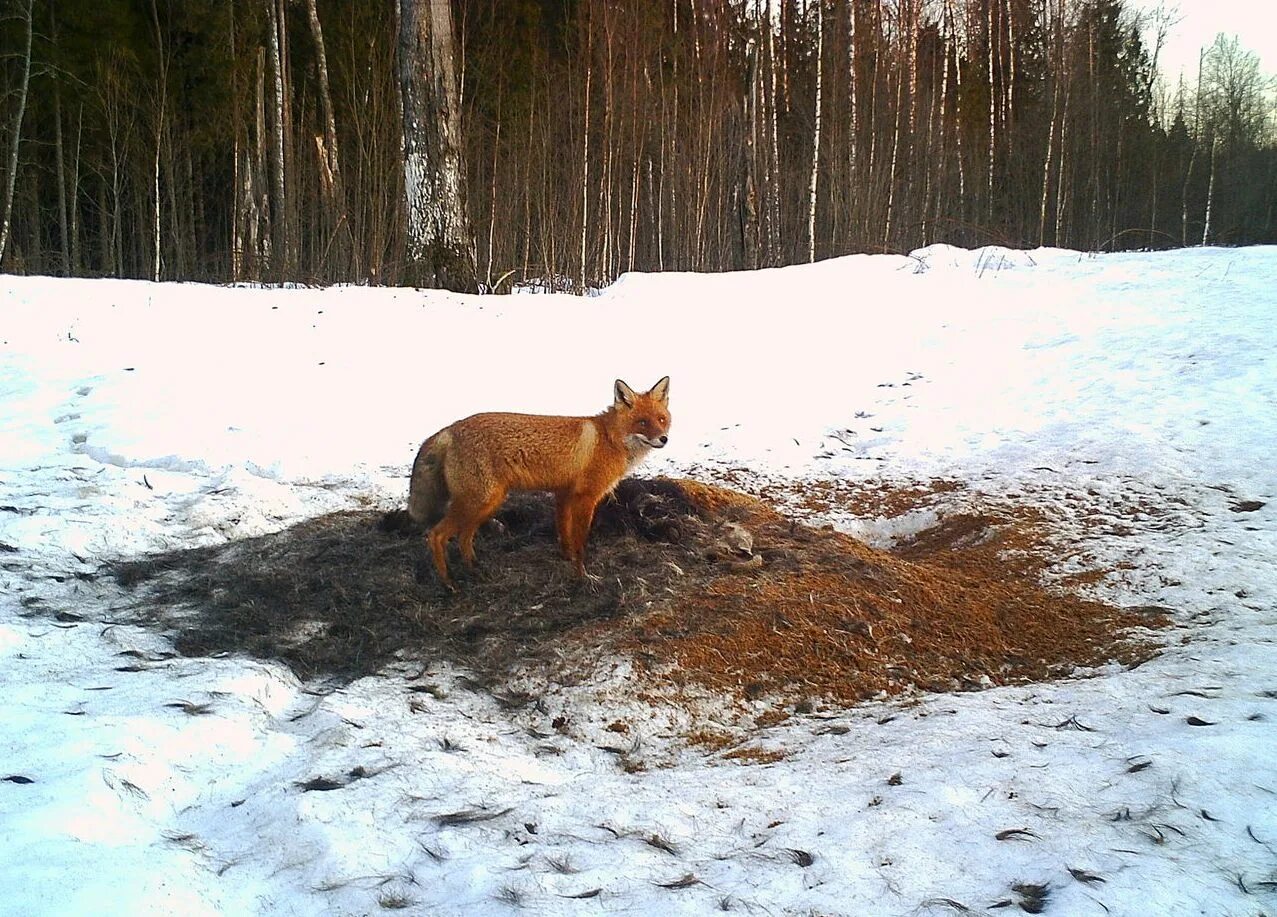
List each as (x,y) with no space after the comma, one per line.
(1210,190)
(440,245)
(815,147)
(11,172)
(895,155)
(156,259)
(993,110)
(155,226)
(776,238)
(1062,188)
(852,163)
(1046,166)
(957,113)
(279,185)
(585,174)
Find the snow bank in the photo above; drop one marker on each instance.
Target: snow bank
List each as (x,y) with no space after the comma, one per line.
(1131,395)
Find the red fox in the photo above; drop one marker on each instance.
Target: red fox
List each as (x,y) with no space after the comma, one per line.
(462,474)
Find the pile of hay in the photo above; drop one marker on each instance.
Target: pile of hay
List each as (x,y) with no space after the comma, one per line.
(698,584)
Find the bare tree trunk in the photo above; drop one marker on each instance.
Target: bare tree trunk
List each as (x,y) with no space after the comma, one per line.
(607,179)
(440,243)
(895,156)
(74,228)
(1152,215)
(1192,159)
(871,169)
(60,179)
(853,179)
(279,224)
(634,207)
(775,252)
(993,109)
(1008,110)
(1062,185)
(11,174)
(239,193)
(105,258)
(1210,190)
(238,170)
(640,132)
(585,172)
(749,191)
(1094,222)
(155,226)
(59,155)
(1052,41)
(1046,165)
(666,130)
(1188,177)
(942,183)
(492,206)
(332,162)
(958,123)
(815,146)
(162,106)
(259,225)
(935,159)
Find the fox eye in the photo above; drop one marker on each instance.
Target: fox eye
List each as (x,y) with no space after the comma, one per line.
(643,422)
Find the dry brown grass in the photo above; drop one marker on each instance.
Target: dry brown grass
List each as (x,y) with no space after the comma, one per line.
(812,614)
(752,755)
(959,606)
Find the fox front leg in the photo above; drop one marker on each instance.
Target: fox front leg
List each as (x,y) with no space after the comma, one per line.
(582,516)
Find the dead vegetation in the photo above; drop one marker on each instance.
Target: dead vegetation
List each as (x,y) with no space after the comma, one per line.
(700,585)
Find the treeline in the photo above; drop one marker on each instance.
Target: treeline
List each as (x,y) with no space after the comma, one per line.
(264,139)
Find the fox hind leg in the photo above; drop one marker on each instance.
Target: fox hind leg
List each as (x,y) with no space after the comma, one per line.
(474,514)
(563,523)
(437,540)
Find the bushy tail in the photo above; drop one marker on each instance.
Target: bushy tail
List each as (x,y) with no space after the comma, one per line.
(428,491)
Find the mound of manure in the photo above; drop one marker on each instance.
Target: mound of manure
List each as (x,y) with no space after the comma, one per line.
(698,584)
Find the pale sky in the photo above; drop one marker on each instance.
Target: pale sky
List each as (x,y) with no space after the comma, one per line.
(1253,21)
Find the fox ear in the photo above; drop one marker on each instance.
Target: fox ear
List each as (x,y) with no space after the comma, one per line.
(624,394)
(661,390)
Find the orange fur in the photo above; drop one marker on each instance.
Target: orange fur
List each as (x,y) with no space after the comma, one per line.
(462,474)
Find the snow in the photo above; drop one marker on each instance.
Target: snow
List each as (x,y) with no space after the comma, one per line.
(1133,395)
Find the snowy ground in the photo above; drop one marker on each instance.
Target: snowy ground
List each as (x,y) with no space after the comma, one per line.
(1135,396)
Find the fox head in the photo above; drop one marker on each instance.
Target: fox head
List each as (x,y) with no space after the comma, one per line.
(644,418)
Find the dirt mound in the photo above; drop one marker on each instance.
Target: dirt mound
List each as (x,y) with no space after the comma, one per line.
(699,584)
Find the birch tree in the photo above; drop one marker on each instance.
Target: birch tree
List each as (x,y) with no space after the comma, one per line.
(815,135)
(279,225)
(440,246)
(15,139)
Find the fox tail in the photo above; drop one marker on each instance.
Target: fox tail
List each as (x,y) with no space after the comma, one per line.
(427,490)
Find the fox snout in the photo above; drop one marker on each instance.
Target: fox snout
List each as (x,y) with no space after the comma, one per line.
(657,442)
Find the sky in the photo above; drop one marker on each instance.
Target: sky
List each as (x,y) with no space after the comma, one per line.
(1199,21)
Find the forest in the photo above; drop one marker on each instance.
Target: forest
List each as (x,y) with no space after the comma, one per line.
(568,141)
